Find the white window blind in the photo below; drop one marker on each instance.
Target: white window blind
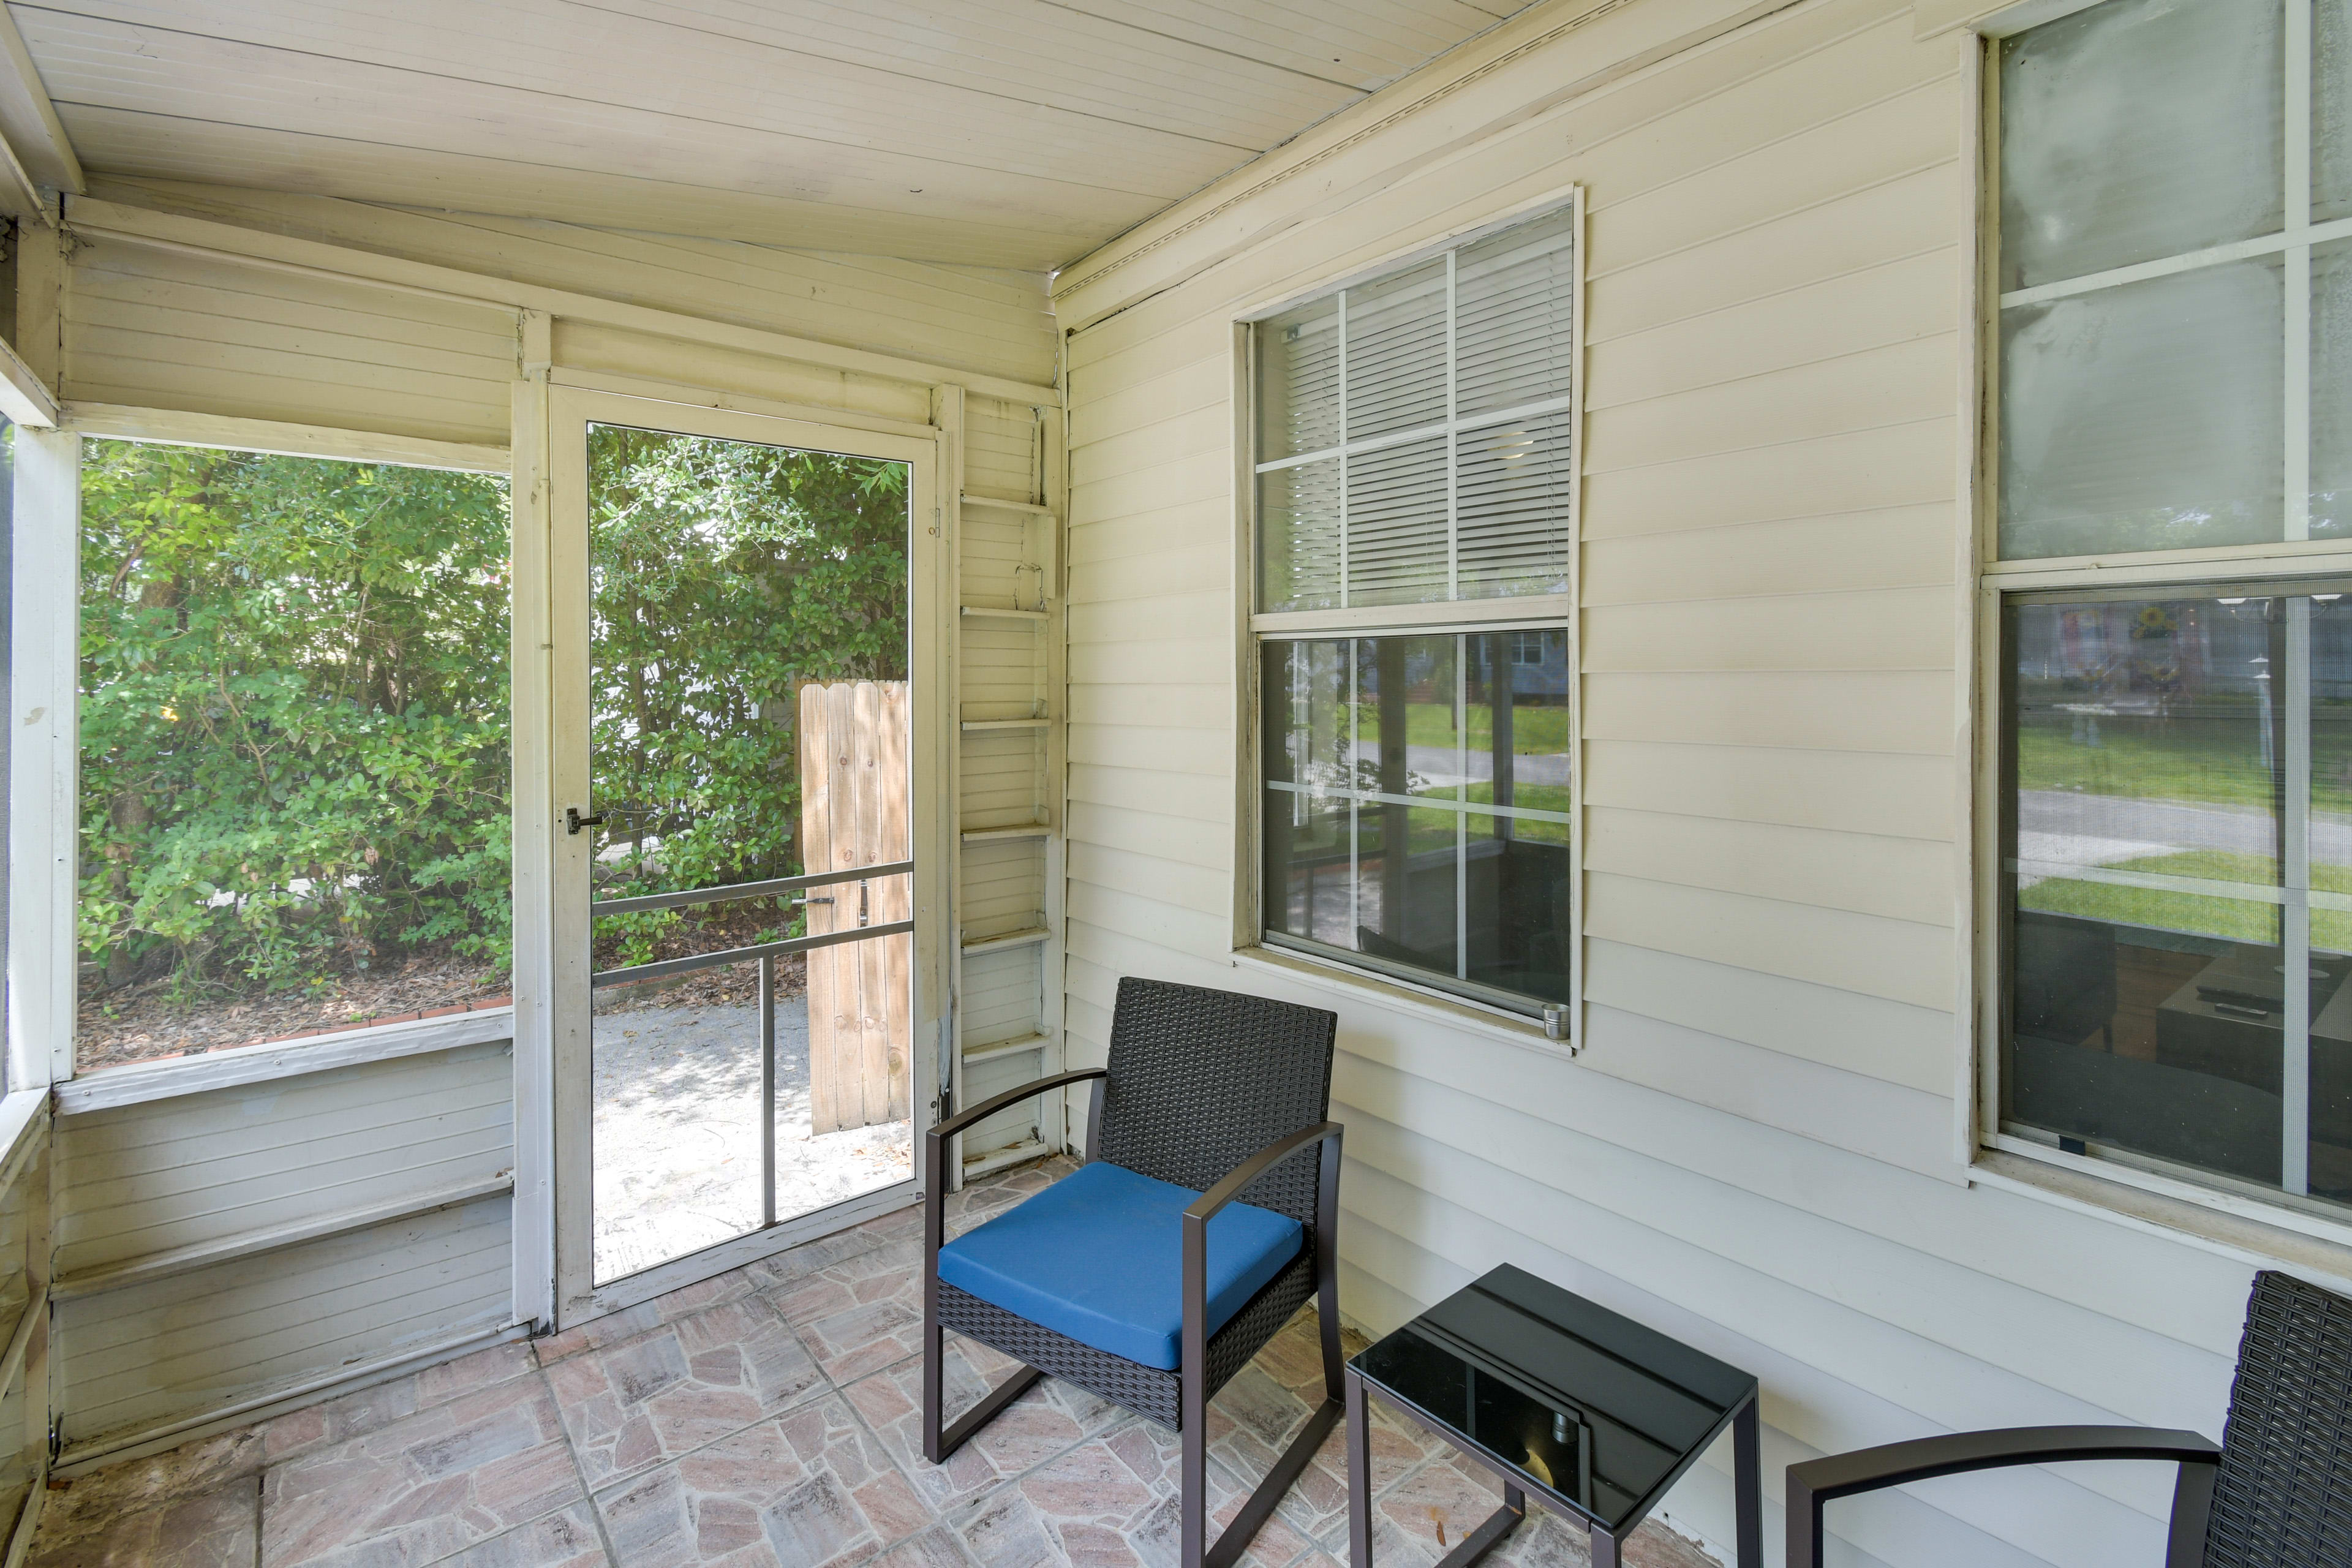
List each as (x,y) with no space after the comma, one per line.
(1415,433)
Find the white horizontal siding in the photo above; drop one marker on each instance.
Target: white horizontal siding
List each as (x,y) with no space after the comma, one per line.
(245,1166)
(160,329)
(177,1349)
(204,1168)
(1755,1148)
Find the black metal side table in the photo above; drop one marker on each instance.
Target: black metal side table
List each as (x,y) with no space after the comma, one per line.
(1561,1397)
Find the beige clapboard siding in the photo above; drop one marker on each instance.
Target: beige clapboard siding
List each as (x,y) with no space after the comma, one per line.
(1878,629)
(1908,880)
(2005,1247)
(995,322)
(1895,547)
(1000,775)
(597,348)
(1196,569)
(1891,220)
(1901,301)
(1001,996)
(177,1347)
(1188,841)
(1000,456)
(160,329)
(1147,790)
(1883,467)
(1004,887)
(142,1179)
(1871,390)
(2080,1358)
(1847,711)
(1776,235)
(1903,960)
(1886,795)
(1895,1041)
(1182,529)
(1202,382)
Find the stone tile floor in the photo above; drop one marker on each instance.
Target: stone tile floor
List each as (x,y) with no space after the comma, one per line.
(767,1419)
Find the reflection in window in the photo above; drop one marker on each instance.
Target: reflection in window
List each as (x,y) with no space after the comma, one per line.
(294,759)
(1417,810)
(2179,872)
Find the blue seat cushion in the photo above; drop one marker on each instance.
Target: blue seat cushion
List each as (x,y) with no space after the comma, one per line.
(1099,1257)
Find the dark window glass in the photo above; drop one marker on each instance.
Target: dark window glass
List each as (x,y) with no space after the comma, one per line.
(1417,807)
(2178,882)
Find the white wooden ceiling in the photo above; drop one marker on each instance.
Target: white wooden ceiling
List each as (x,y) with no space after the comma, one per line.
(994,132)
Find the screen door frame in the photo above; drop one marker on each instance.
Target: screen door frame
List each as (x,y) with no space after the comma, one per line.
(566,564)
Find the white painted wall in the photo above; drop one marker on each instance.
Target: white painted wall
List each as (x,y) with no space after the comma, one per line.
(1760,1145)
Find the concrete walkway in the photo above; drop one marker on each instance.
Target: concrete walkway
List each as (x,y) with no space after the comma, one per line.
(676,1132)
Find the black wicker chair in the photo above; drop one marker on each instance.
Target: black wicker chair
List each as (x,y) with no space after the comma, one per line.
(2277,1491)
(1217,1094)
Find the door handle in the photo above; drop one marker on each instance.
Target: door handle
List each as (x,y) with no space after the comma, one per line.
(573,822)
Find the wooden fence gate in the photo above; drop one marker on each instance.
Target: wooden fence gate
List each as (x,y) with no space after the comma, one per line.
(855,811)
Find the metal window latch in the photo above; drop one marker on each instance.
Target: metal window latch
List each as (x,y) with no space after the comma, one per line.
(573,822)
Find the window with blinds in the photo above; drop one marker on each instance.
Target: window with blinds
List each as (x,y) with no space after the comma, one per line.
(1414,471)
(1415,433)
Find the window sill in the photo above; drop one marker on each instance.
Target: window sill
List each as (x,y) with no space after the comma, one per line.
(2235,1235)
(1421,1006)
(138,1083)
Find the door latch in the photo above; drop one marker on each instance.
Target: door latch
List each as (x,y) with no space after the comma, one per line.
(573,822)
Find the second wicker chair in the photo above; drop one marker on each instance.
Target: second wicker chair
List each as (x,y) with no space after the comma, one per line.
(1141,1277)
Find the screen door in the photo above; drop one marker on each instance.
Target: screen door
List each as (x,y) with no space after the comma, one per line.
(747,1038)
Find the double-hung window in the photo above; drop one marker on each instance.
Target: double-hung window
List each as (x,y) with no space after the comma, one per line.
(2167,569)
(1414,475)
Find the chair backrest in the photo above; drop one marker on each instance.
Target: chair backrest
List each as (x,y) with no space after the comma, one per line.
(2284,1491)
(1199,1080)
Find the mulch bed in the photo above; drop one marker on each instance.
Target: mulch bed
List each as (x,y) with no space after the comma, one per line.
(156,1020)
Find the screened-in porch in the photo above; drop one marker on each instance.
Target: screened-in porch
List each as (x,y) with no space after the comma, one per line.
(713,703)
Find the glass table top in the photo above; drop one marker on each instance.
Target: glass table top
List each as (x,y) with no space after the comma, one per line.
(1589,1406)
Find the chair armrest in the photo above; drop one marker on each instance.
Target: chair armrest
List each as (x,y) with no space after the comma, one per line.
(1239,1178)
(1816,1481)
(1194,1279)
(990,1106)
(935,1144)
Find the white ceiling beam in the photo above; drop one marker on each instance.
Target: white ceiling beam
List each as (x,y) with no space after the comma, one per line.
(38,153)
(23,398)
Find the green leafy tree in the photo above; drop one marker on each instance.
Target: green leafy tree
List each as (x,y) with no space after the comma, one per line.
(294,716)
(725,575)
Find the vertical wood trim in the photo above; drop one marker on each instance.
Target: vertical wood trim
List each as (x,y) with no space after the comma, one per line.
(1247,796)
(947,535)
(1971,925)
(1577,1022)
(932,622)
(40,275)
(40,1397)
(43,757)
(1976,1029)
(568,624)
(1053,492)
(531,795)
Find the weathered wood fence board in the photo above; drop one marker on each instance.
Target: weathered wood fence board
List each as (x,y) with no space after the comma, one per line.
(855,811)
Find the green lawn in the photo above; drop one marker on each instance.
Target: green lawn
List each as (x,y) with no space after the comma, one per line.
(2198,915)
(2215,762)
(1534,731)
